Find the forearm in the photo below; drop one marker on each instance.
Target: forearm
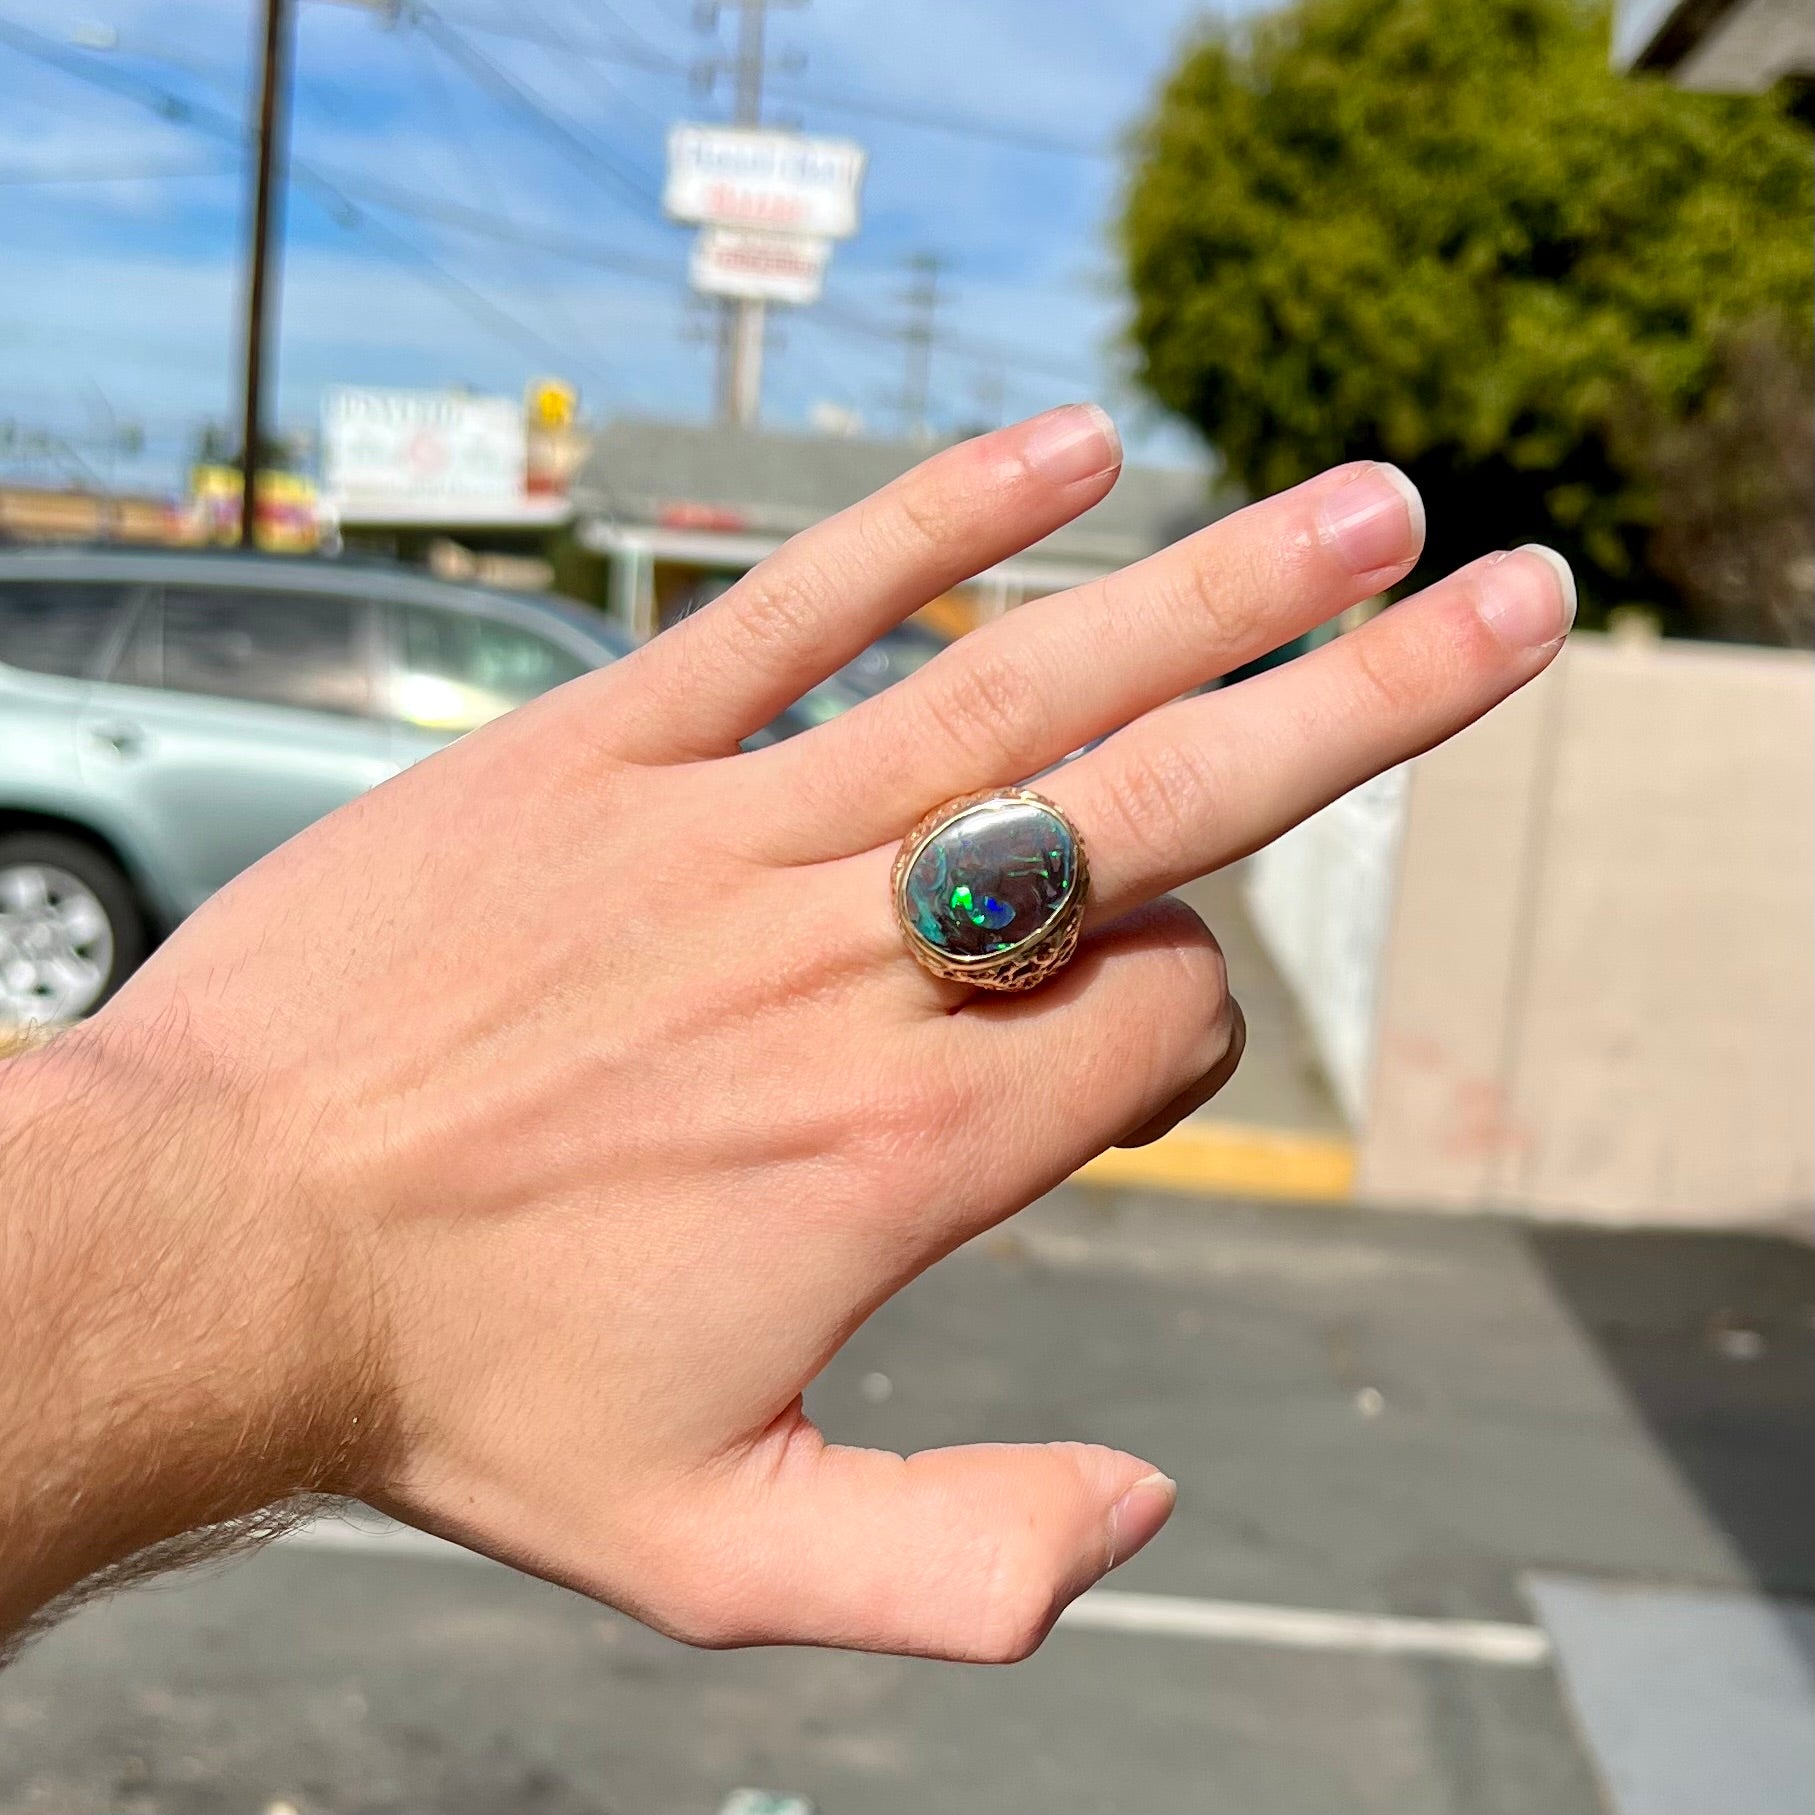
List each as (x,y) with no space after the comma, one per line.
(173,1347)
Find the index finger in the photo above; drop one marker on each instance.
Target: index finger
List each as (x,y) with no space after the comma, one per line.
(826,595)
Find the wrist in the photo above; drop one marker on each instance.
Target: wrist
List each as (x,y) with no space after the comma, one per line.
(179,1345)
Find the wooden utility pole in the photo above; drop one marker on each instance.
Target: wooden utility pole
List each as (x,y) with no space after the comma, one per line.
(264,240)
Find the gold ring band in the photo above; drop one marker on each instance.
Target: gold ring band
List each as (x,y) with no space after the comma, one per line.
(989,889)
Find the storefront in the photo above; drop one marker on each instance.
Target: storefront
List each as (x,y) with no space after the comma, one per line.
(678,512)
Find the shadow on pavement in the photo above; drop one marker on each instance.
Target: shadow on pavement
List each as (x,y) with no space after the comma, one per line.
(1712,1338)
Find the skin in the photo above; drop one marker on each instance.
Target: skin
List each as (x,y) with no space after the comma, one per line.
(512,1148)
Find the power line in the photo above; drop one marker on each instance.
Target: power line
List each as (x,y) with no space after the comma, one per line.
(570,47)
(338,193)
(636,52)
(339,207)
(1018,138)
(639,53)
(583,152)
(506,229)
(842,318)
(450,116)
(111,173)
(464,295)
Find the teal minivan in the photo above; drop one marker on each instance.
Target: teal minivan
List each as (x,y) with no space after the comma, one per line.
(166,718)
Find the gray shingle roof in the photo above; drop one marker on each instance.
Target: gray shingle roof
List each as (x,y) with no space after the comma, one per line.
(779,482)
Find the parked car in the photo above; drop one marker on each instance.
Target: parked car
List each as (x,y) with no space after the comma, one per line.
(166,718)
(892,657)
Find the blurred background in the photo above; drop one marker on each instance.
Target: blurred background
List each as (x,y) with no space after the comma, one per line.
(368,367)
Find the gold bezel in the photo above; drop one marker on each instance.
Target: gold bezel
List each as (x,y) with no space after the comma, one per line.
(1035,958)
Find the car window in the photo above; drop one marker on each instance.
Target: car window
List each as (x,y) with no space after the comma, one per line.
(58,626)
(140,661)
(277,648)
(457,670)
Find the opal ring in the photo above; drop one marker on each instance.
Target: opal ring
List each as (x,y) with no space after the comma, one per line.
(989,889)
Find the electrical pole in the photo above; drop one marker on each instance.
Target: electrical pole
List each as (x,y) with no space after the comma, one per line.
(266,225)
(990,389)
(740,328)
(921,299)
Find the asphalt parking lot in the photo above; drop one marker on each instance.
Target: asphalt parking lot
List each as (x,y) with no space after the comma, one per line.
(1443,1484)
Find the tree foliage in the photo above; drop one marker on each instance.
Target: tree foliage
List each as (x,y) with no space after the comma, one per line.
(1446,233)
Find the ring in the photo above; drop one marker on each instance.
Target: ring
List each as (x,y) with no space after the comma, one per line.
(989,889)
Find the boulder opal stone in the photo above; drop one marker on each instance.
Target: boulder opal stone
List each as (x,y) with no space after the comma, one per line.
(990,879)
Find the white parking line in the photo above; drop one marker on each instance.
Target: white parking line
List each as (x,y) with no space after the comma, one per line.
(1112,1610)
(1306,1628)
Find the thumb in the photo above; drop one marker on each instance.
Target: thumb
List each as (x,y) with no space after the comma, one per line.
(955,1553)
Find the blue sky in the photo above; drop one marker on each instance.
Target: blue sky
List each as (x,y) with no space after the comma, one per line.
(120,226)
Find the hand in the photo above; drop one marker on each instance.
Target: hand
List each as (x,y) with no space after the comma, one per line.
(581,1085)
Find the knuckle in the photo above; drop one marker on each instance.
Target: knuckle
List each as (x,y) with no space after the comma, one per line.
(1203,596)
(1152,795)
(1202,972)
(713,1601)
(1190,939)
(987,703)
(1384,686)
(697,1621)
(890,1134)
(1014,1615)
(919,518)
(776,613)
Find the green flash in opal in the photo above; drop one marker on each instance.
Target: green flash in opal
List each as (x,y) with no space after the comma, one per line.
(991,879)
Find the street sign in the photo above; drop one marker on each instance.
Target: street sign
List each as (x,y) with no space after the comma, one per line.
(727,176)
(760,267)
(550,403)
(417,446)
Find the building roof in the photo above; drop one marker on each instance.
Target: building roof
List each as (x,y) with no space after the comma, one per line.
(773,483)
(1727,46)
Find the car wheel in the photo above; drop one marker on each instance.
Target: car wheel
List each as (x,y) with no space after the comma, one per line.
(71,929)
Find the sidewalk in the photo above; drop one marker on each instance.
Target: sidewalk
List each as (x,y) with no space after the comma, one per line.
(1274,1130)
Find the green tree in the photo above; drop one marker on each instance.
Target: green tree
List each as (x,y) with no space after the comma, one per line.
(1446,233)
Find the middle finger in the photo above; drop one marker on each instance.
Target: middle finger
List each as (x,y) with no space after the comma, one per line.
(1019,694)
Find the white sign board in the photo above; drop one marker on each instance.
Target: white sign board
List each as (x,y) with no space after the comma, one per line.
(423,447)
(761,267)
(731,177)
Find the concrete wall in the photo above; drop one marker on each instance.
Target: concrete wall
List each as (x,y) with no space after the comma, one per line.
(1598,984)
(1320,899)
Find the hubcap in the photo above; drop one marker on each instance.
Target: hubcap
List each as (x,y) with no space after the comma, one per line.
(56,945)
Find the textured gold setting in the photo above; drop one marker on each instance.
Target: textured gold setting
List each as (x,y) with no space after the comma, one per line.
(1022,967)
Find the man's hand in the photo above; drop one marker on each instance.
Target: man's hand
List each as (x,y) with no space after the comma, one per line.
(512,1148)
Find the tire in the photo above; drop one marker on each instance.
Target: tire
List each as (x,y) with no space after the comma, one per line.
(50,887)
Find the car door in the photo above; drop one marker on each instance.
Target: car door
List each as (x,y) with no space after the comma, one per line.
(234,716)
(451,669)
(55,634)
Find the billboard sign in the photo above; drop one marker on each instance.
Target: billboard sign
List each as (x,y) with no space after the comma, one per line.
(725,176)
(759,267)
(423,446)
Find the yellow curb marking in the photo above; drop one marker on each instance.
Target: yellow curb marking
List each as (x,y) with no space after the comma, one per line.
(1234,1160)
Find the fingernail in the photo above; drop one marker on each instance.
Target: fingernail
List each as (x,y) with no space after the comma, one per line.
(1375,521)
(1139,1514)
(1529,604)
(1076,442)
